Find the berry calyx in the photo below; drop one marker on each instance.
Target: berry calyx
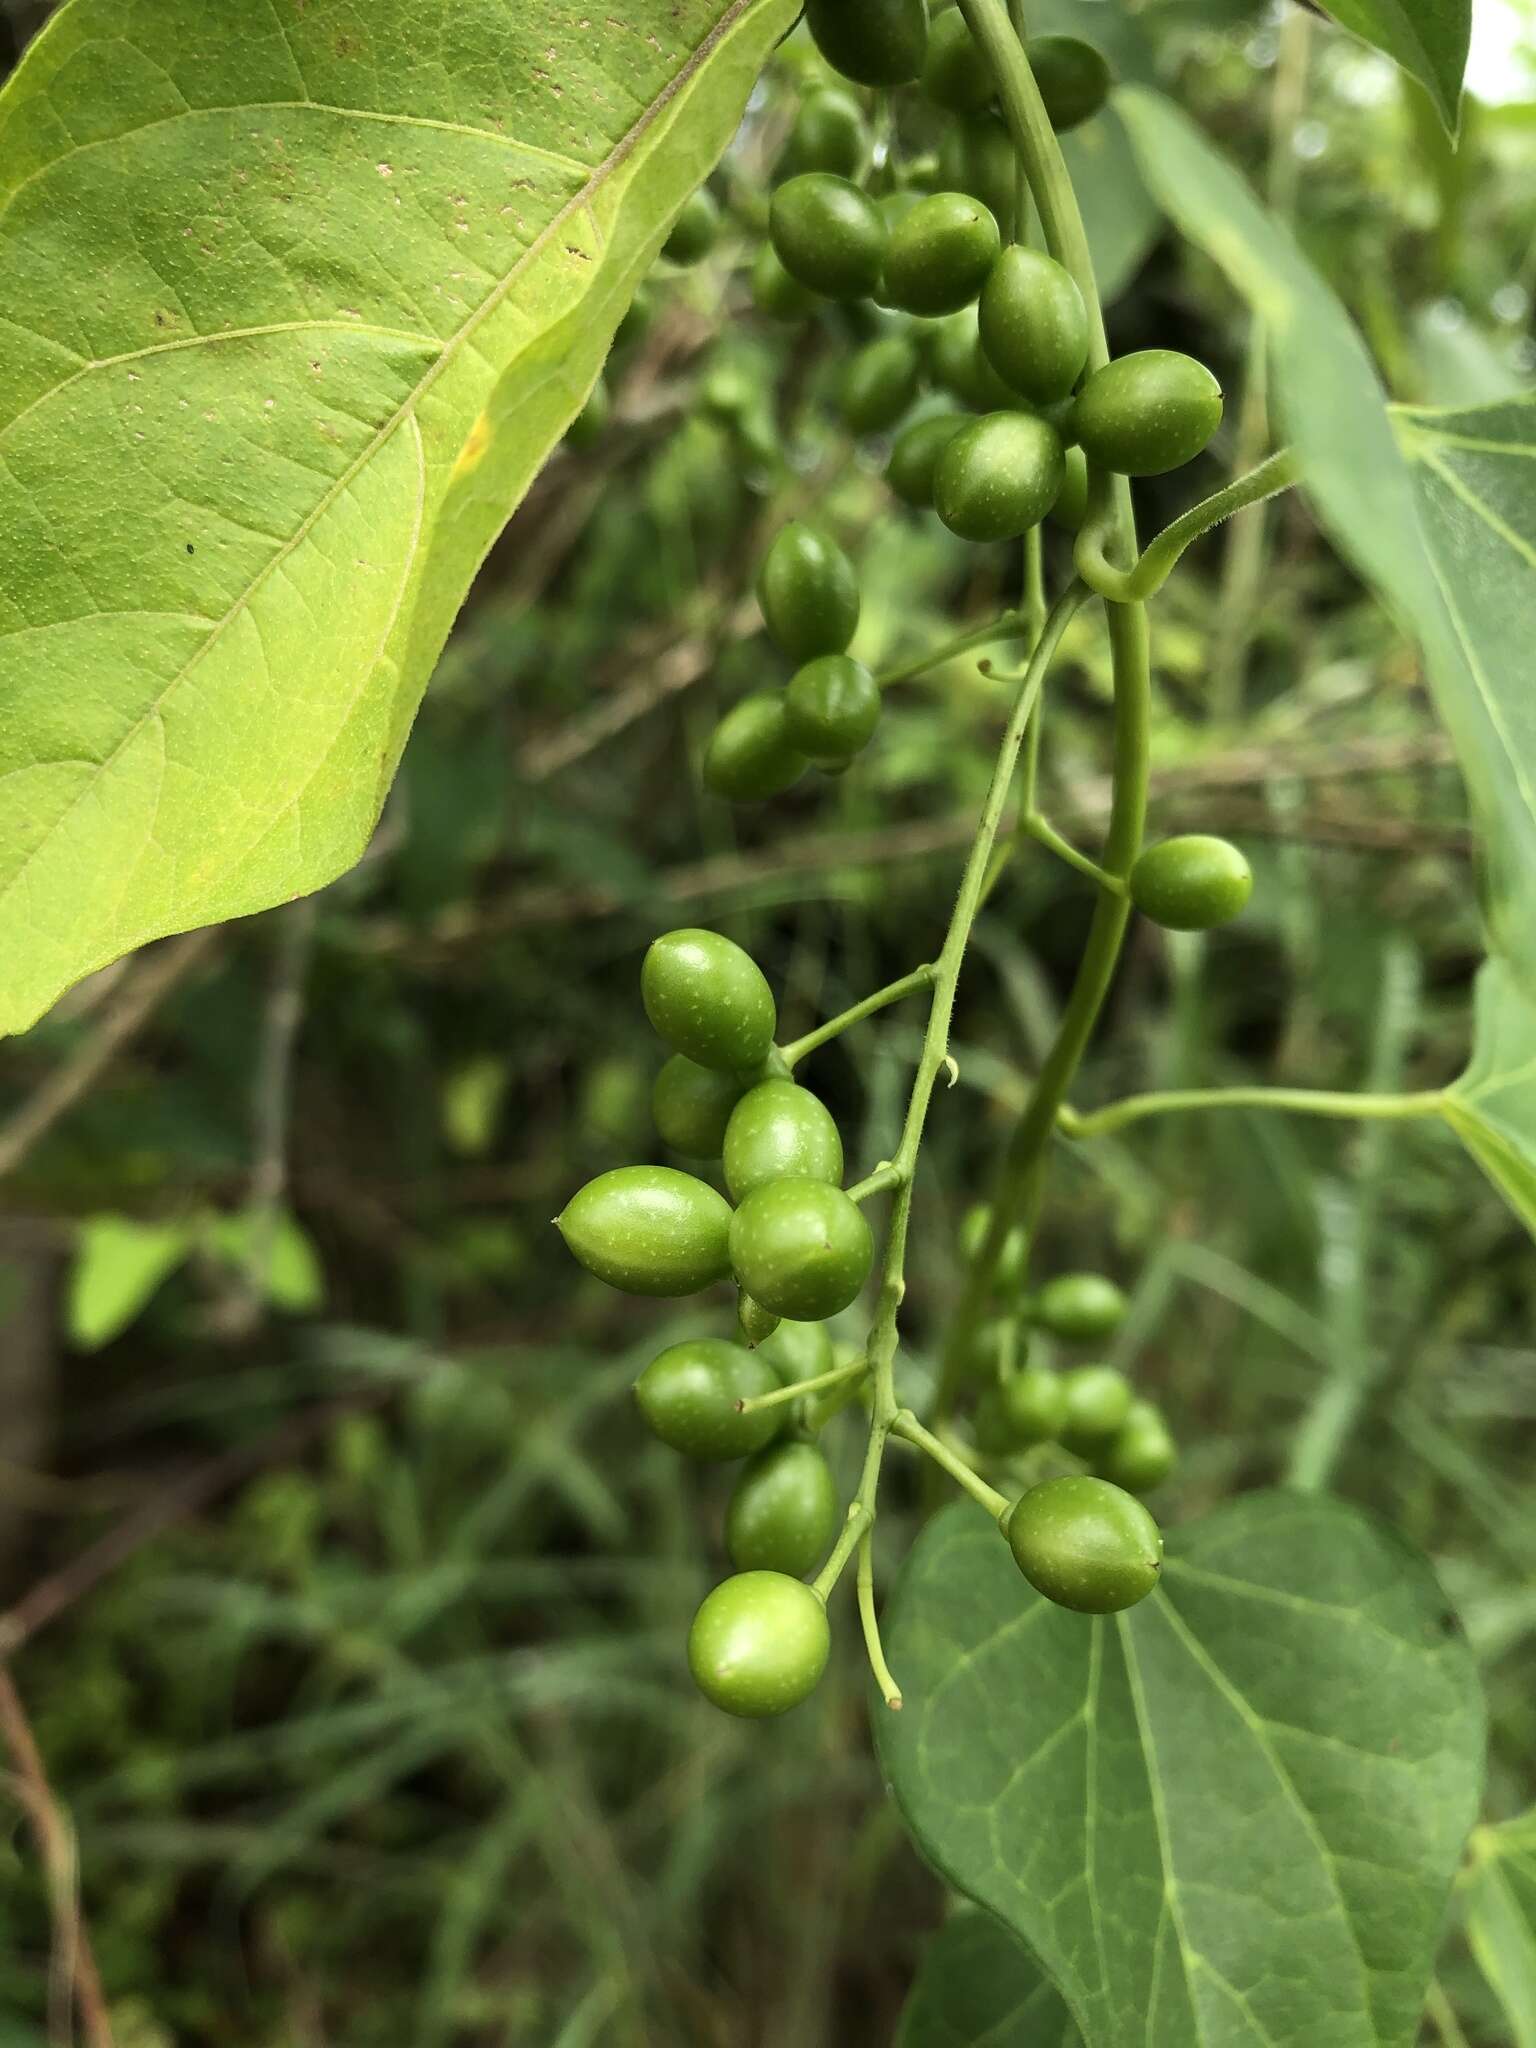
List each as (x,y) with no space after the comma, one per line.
(759,1644)
(783,1513)
(708,999)
(776,1131)
(1192,883)
(801,1248)
(1085,1544)
(688,1395)
(649,1230)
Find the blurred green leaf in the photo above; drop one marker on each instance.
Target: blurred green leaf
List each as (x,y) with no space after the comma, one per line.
(1492,1108)
(472,1099)
(1288,1734)
(1427,38)
(119,1267)
(1500,1899)
(292,1278)
(979,1987)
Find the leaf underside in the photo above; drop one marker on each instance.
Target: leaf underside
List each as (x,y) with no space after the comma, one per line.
(1226,1819)
(300,295)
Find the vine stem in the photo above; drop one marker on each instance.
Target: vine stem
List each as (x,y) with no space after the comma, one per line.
(890,1691)
(1298,1101)
(893,992)
(1159,558)
(1006,626)
(907,1426)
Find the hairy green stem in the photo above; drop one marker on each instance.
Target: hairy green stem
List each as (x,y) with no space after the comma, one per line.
(1158,559)
(1040,828)
(910,1430)
(1298,1101)
(893,992)
(880,1182)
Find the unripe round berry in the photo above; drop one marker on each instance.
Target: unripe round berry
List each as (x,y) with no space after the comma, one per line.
(774,292)
(1097,1400)
(1033,1404)
(1086,1545)
(1015,1254)
(1033,325)
(695,231)
(783,1513)
(1143,1453)
(692,1105)
(1146,413)
(1192,883)
(1082,1307)
(941,253)
(976,156)
(750,756)
(999,476)
(1072,76)
(800,1351)
(688,1395)
(957,75)
(878,384)
(809,593)
(649,1230)
(873,42)
(801,1248)
(828,235)
(778,1131)
(831,709)
(828,135)
(916,454)
(759,1644)
(709,999)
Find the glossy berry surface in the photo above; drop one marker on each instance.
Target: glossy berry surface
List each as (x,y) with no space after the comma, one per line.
(1033,325)
(831,709)
(759,1644)
(750,755)
(688,1396)
(999,476)
(873,42)
(779,1130)
(809,593)
(976,156)
(829,236)
(960,366)
(1192,883)
(1096,1400)
(694,232)
(1072,76)
(956,76)
(916,454)
(649,1230)
(1033,1403)
(878,384)
(691,1106)
(801,1248)
(784,1511)
(828,135)
(940,254)
(708,999)
(1086,1545)
(1081,1307)
(1146,413)
(1143,1453)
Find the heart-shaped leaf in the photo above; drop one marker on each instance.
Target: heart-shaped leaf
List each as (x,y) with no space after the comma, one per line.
(1440,515)
(299,296)
(1427,38)
(979,1987)
(1226,1819)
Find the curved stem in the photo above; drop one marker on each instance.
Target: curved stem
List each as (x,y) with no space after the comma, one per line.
(890,1691)
(1132,586)
(1041,829)
(910,1430)
(909,984)
(1298,1101)
(1006,626)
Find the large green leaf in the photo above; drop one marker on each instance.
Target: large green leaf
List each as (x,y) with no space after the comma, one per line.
(1427,38)
(299,296)
(1500,1900)
(1227,1819)
(1492,1108)
(979,1987)
(1443,530)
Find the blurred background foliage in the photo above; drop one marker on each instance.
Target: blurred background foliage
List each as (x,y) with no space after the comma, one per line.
(370,1710)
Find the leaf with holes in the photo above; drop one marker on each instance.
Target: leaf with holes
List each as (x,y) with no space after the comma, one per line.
(979,1987)
(1226,1819)
(299,297)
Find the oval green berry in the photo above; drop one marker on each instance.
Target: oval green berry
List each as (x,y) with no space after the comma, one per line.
(694,232)
(809,593)
(940,254)
(692,1105)
(709,999)
(649,1230)
(688,1395)
(779,1131)
(1192,883)
(916,454)
(956,75)
(753,1320)
(1015,1256)
(750,756)
(1033,1403)
(828,135)
(801,1248)
(1143,1453)
(873,42)
(878,384)
(1082,1307)
(977,156)
(831,709)
(759,1644)
(783,1513)
(999,476)
(1033,325)
(1146,413)
(774,292)
(829,236)
(1097,1400)
(1072,76)
(1086,1545)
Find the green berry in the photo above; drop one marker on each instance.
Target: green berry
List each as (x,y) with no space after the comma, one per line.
(940,254)
(916,454)
(1033,1404)
(960,366)
(688,1396)
(1072,76)
(1146,413)
(708,999)
(828,135)
(783,1513)
(1191,883)
(1071,506)
(695,231)
(649,1230)
(1143,1453)
(873,42)
(999,476)
(759,1644)
(750,756)
(831,709)
(774,292)
(878,384)
(1033,325)
(1084,1308)
(956,76)
(1015,1255)
(692,1105)
(754,1321)
(1086,1545)
(779,1131)
(1097,1400)
(809,593)
(829,236)
(800,1351)
(591,422)
(977,156)
(801,1248)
